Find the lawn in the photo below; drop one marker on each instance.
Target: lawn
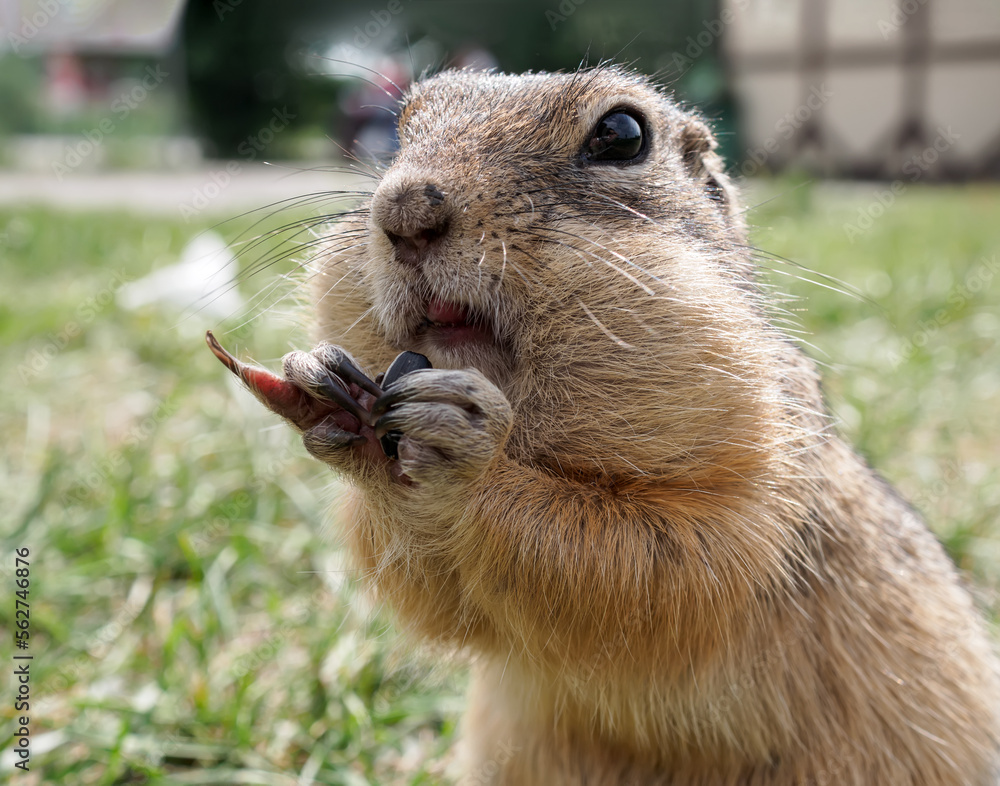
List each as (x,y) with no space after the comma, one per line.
(191,619)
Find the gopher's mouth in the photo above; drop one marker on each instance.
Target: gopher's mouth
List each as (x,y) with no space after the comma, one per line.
(453,324)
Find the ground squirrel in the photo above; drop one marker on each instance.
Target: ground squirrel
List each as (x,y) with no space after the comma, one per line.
(617,487)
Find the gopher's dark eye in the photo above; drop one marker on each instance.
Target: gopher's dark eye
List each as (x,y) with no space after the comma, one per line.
(617,137)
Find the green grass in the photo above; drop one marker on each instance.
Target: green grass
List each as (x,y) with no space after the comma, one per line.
(911,342)
(191,618)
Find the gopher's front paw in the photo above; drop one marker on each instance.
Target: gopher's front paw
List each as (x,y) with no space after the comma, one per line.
(331,378)
(454,423)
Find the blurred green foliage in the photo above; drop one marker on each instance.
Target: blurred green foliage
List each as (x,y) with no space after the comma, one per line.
(243,58)
(20,95)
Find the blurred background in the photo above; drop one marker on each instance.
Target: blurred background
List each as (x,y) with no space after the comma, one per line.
(165,166)
(840,87)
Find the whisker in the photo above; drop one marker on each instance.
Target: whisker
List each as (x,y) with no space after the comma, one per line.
(600,259)
(604,329)
(821,279)
(364,79)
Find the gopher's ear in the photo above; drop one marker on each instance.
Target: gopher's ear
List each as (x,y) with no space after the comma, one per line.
(698,147)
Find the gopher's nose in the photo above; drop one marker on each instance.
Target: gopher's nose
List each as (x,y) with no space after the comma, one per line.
(414,217)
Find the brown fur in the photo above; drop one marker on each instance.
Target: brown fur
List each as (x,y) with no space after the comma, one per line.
(635,515)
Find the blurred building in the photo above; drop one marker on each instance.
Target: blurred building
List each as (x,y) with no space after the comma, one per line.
(80,41)
(904,89)
(104,26)
(899,89)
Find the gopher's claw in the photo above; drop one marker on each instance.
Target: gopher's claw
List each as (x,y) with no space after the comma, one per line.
(333,388)
(338,361)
